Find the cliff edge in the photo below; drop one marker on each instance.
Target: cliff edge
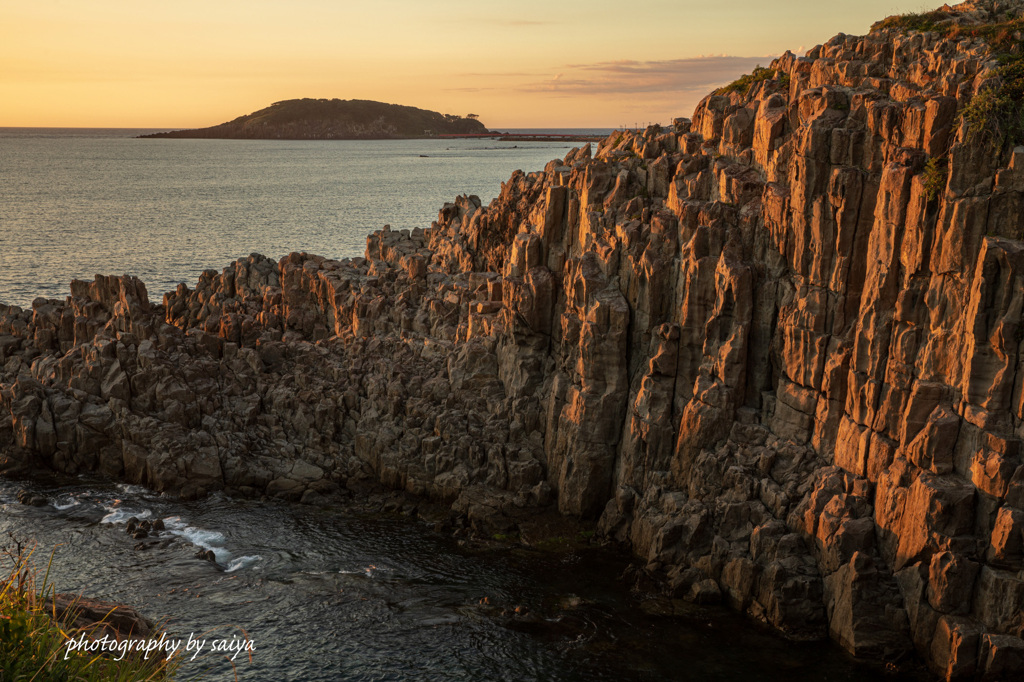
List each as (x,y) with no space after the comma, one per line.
(775,349)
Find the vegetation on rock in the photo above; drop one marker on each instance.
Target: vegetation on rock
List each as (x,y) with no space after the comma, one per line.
(995,116)
(34,632)
(912,21)
(760,74)
(935,174)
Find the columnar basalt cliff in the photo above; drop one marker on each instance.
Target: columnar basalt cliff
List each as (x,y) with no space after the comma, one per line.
(775,349)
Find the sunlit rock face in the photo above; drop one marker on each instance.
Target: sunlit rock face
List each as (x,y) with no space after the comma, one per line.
(771,348)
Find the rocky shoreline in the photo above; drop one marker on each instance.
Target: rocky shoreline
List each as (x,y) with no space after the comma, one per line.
(759,348)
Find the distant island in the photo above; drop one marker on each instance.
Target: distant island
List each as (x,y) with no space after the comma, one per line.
(336,119)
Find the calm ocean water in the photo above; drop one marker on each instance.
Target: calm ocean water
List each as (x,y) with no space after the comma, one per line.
(78,202)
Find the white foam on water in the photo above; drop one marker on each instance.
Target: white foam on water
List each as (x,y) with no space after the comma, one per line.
(200,537)
(122,514)
(174,523)
(242,562)
(65,502)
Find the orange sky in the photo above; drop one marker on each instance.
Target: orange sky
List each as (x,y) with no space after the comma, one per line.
(532,63)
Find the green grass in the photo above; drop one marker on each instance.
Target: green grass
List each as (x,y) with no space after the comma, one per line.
(760,74)
(999,34)
(555,543)
(563,543)
(33,641)
(912,21)
(935,173)
(995,116)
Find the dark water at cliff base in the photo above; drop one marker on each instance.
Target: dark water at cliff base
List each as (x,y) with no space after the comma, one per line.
(327,594)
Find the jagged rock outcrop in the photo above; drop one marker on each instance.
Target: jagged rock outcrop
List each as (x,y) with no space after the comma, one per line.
(773,348)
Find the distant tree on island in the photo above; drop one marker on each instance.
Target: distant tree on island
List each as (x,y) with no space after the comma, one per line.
(336,119)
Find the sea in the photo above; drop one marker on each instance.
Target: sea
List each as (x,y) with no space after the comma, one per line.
(79,202)
(321,593)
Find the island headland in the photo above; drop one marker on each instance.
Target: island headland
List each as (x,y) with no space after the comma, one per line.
(335,119)
(775,349)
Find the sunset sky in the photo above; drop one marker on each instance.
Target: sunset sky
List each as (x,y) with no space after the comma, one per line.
(531,63)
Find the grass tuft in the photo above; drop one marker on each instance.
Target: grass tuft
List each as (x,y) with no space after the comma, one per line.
(913,21)
(745,83)
(33,639)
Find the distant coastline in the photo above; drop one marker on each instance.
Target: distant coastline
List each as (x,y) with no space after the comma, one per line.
(522,134)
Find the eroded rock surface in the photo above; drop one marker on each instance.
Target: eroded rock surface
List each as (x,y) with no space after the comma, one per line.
(755,346)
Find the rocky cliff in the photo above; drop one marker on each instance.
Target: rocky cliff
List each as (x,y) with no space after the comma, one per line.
(335,119)
(774,349)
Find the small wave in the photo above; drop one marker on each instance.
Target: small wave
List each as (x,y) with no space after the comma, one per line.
(64,502)
(242,562)
(122,514)
(200,537)
(131,489)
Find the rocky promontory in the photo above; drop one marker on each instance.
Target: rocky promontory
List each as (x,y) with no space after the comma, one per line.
(335,119)
(775,349)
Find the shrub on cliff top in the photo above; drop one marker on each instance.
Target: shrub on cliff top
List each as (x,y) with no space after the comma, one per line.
(744,83)
(33,641)
(912,21)
(995,116)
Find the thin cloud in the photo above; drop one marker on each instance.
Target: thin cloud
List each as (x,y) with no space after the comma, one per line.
(473,89)
(520,23)
(502,74)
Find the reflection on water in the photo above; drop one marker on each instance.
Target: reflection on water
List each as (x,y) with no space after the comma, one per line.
(327,595)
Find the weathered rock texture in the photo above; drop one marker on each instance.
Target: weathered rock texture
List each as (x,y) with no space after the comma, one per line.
(753,346)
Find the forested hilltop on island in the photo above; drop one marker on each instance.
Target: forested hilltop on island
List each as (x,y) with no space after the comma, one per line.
(335,119)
